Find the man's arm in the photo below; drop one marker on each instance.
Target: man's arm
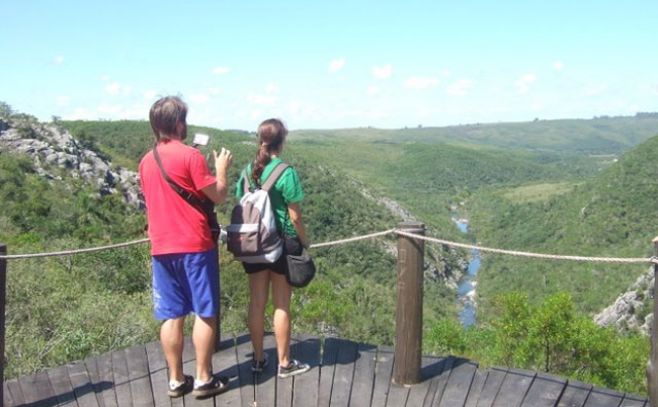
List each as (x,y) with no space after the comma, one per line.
(217,192)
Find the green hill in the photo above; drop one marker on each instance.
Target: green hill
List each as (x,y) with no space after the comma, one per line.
(610,215)
(602,135)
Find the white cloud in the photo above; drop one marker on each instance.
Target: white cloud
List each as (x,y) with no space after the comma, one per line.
(105,78)
(524,82)
(58,60)
(460,87)
(62,101)
(214,91)
(221,70)
(110,111)
(595,89)
(115,88)
(558,65)
(294,107)
(256,115)
(149,94)
(80,113)
(372,90)
(382,72)
(417,82)
(262,99)
(199,98)
(336,65)
(272,88)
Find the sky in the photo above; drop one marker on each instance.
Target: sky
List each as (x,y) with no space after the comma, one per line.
(331,64)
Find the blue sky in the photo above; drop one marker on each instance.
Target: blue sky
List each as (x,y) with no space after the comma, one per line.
(333,64)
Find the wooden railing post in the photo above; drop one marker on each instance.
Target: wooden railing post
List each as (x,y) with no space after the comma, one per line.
(652,374)
(409,315)
(3,296)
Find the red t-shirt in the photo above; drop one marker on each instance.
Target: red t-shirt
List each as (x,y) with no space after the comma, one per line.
(174,226)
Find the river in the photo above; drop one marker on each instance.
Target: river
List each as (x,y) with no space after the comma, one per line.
(468,283)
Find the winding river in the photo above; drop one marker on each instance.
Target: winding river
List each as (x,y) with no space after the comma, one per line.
(468,283)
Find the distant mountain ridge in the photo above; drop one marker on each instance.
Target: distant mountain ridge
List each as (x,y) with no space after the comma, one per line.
(600,135)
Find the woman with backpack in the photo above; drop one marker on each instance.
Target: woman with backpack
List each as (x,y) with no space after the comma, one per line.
(285,196)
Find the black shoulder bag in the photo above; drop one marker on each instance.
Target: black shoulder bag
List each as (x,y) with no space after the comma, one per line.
(205,206)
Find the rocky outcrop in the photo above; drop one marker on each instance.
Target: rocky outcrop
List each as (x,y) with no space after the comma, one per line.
(56,154)
(632,311)
(446,266)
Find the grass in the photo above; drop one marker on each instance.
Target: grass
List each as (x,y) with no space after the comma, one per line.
(538,192)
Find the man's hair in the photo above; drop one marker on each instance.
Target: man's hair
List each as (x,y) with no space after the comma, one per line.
(165,115)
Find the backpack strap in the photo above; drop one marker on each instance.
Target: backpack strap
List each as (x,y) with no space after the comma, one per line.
(274,176)
(246,185)
(185,194)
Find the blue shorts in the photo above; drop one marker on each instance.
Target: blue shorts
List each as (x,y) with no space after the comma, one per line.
(185,282)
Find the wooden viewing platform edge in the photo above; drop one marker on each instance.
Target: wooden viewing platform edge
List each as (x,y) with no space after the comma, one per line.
(343,373)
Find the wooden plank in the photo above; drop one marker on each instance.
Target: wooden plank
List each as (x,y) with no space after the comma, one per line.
(397,394)
(436,389)
(59,379)
(495,377)
(13,395)
(633,400)
(545,391)
(265,383)
(189,367)
(574,394)
(106,380)
(383,371)
(91,364)
(82,385)
(364,375)
(37,390)
(305,392)
(138,372)
(479,378)
(121,378)
(225,363)
(343,373)
(431,368)
(514,388)
(159,375)
(247,387)
(327,369)
(459,383)
(599,397)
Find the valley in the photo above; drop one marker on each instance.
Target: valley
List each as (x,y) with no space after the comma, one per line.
(587,194)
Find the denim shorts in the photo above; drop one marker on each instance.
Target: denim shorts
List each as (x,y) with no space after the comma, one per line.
(184,283)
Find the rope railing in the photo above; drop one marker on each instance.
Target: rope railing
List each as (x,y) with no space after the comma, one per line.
(71,252)
(530,254)
(624,260)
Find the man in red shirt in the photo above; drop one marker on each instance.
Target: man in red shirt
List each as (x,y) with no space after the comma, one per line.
(184,255)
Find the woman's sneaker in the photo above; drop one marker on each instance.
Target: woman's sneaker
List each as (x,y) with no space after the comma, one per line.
(217,385)
(180,389)
(257,366)
(295,367)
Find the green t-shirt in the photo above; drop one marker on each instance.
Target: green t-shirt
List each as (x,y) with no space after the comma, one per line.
(286,190)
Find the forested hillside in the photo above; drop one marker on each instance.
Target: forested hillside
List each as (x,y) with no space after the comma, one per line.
(600,135)
(609,215)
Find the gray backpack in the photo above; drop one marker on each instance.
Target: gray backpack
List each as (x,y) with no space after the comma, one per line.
(252,236)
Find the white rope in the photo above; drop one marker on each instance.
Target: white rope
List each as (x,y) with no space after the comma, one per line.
(370,236)
(352,239)
(70,252)
(528,254)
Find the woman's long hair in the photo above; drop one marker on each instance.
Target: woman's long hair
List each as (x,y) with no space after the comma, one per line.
(271,135)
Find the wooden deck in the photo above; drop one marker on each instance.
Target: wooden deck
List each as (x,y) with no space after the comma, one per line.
(344,373)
